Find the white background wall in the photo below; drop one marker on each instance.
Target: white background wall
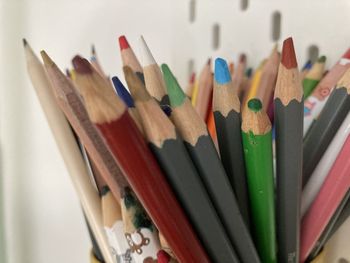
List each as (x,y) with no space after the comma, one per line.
(41,213)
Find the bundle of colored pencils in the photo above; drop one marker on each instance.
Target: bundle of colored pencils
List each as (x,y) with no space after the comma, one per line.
(189,176)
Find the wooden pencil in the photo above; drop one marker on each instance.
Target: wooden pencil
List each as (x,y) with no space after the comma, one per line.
(328,199)
(268,79)
(326,234)
(315,102)
(129,58)
(306,68)
(72,106)
(153,76)
(190,87)
(253,89)
(323,167)
(257,146)
(226,108)
(145,177)
(96,63)
(203,153)
(238,75)
(205,88)
(288,108)
(327,124)
(314,75)
(69,149)
(181,173)
(114,227)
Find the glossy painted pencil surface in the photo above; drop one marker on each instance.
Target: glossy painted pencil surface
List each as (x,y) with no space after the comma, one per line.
(68,148)
(327,124)
(288,108)
(257,146)
(181,173)
(227,108)
(203,153)
(328,199)
(144,175)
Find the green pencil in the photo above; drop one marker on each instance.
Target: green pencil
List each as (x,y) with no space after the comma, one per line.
(314,76)
(257,146)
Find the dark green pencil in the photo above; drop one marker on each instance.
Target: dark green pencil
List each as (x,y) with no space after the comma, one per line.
(226,108)
(177,165)
(203,153)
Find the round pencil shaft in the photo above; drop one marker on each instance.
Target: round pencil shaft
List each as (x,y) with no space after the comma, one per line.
(257,146)
(323,131)
(288,108)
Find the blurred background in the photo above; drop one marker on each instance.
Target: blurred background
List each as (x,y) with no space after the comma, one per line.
(40,217)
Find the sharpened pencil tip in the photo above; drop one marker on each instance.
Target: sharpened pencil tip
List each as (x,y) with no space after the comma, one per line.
(307,65)
(209,61)
(322,59)
(93,50)
(123,43)
(221,72)
(242,58)
(105,189)
(176,94)
(146,54)
(46,59)
(122,92)
(255,105)
(288,58)
(163,257)
(81,65)
(25,43)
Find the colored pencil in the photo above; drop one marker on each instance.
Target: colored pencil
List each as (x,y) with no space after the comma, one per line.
(145,177)
(315,102)
(69,149)
(129,58)
(203,153)
(238,75)
(327,124)
(124,94)
(96,63)
(74,110)
(337,248)
(114,227)
(257,146)
(226,108)
(306,68)
(328,199)
(164,257)
(329,230)
(205,88)
(268,79)
(288,107)
(190,87)
(181,173)
(314,75)
(323,167)
(153,76)
(194,93)
(252,91)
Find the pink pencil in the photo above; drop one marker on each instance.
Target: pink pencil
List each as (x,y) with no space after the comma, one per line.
(328,199)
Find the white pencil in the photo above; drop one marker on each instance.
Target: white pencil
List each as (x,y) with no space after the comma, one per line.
(320,173)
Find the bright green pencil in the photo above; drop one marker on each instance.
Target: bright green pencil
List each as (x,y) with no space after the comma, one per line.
(257,146)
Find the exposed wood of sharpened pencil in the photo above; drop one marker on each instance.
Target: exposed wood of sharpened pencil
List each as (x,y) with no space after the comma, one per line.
(328,199)
(268,79)
(203,153)
(327,124)
(181,173)
(251,92)
(129,58)
(288,106)
(226,108)
(205,87)
(313,77)
(69,149)
(96,63)
(143,173)
(153,76)
(257,146)
(190,87)
(238,75)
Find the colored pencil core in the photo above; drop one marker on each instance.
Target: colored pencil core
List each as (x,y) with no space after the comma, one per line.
(81,65)
(123,43)
(255,105)
(176,94)
(288,54)
(322,59)
(122,92)
(222,73)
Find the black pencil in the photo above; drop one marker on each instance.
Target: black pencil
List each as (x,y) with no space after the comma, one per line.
(327,124)
(203,153)
(288,103)
(177,165)
(226,108)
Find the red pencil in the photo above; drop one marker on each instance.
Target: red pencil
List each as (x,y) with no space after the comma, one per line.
(137,162)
